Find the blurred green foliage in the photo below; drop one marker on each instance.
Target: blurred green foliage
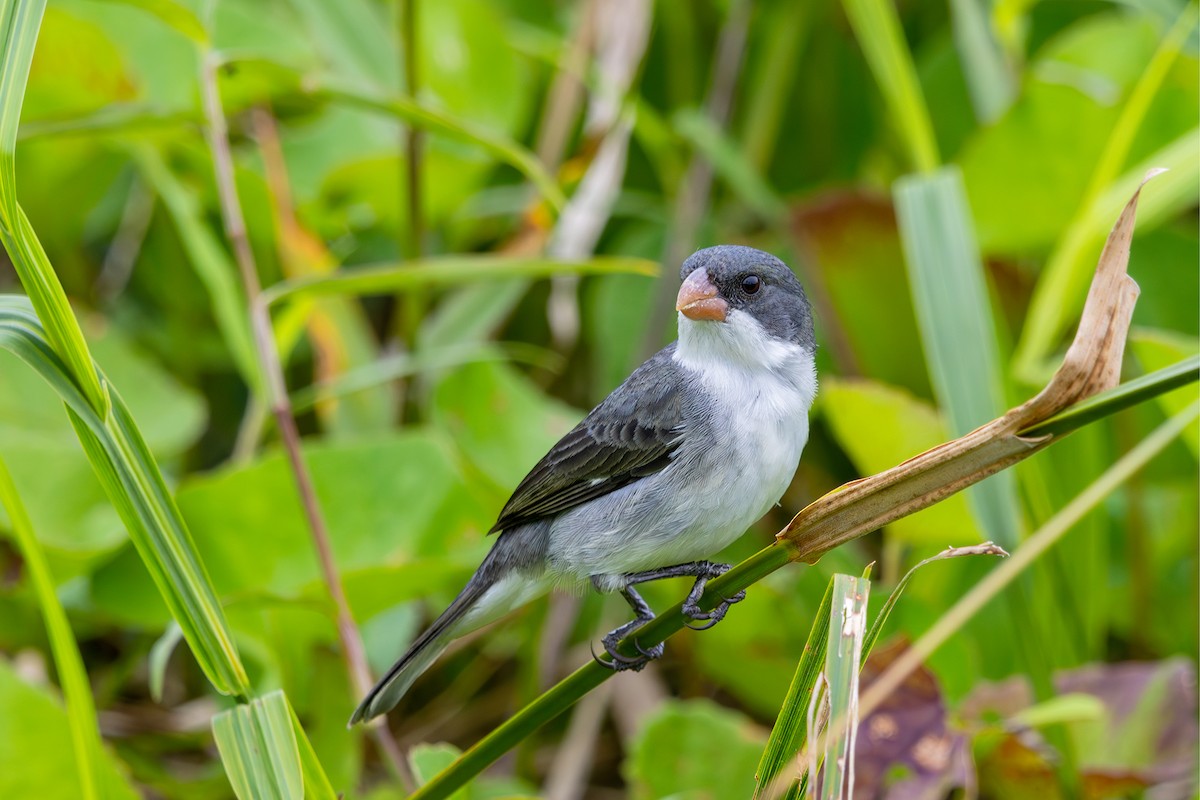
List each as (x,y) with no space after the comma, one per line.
(116,179)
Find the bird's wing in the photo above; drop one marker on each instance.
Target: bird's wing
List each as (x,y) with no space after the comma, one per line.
(631,434)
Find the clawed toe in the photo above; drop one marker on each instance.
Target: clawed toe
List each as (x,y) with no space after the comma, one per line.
(621,662)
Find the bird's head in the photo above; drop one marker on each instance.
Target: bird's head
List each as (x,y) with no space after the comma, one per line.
(743,302)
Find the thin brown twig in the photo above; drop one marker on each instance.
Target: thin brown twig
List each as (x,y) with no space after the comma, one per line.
(277,398)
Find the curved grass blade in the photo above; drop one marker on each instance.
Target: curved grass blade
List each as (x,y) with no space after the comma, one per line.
(81,711)
(132,480)
(429,119)
(449,271)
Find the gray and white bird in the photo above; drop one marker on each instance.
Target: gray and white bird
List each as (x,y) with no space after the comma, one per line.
(696,445)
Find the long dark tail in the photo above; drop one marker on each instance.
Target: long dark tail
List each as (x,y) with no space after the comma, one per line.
(424,651)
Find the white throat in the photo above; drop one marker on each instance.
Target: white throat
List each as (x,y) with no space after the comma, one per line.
(739,359)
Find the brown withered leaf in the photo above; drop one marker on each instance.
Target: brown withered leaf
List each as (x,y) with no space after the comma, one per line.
(1092,364)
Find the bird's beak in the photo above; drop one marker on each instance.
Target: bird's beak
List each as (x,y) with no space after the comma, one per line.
(698,298)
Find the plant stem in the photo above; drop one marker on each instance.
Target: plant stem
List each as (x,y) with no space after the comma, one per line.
(277,396)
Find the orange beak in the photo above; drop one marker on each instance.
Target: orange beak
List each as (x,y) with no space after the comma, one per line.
(699,300)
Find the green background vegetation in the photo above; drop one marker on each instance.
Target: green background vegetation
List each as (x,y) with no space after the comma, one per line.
(421,409)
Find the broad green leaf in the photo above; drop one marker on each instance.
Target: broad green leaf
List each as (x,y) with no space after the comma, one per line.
(174,15)
(35,747)
(1027,175)
(428,760)
(258,747)
(879,425)
(693,749)
(957,332)
(502,423)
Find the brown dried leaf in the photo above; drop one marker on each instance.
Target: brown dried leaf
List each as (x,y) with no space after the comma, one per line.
(1092,364)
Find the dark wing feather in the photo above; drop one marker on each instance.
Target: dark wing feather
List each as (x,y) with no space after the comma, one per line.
(631,434)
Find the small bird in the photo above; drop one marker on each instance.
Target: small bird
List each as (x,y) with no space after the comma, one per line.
(698,443)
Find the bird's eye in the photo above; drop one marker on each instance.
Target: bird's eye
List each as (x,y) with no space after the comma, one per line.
(751,284)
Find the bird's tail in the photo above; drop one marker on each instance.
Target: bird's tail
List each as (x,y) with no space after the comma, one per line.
(384,696)
(503,582)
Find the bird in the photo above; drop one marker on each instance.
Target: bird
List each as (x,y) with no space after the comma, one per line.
(698,443)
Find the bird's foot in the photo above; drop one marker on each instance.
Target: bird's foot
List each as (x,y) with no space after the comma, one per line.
(691,608)
(621,662)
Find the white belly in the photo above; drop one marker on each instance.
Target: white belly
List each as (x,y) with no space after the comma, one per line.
(718,484)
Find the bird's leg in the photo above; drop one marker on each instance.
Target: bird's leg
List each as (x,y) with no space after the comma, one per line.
(702,571)
(643,614)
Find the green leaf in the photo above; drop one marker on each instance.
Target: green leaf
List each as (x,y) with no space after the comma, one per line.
(693,749)
(174,15)
(257,742)
(212,264)
(36,740)
(428,760)
(499,420)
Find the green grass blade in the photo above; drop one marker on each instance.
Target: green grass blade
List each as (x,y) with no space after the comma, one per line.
(81,712)
(503,148)
(19,22)
(134,485)
(987,548)
(1128,394)
(730,163)
(790,732)
(843,655)
(989,79)
(210,261)
(258,746)
(955,319)
(877,27)
(450,271)
(316,782)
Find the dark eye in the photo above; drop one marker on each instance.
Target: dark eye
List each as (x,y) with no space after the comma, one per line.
(751,284)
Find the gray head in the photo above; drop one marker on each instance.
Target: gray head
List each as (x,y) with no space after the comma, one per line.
(720,280)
